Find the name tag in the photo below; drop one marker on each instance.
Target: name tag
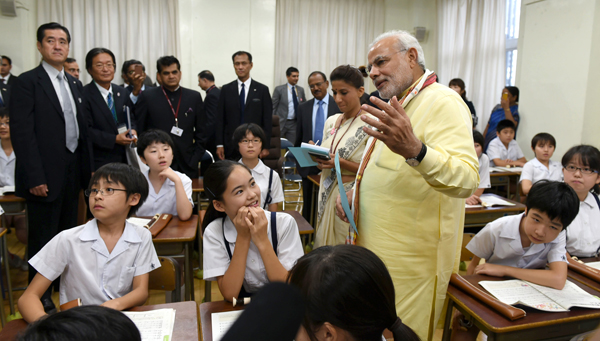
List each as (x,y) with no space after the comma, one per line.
(328,181)
(176,131)
(122,128)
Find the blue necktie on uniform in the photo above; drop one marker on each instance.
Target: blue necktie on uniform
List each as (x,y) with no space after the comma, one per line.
(111,106)
(242,103)
(319,124)
(295,100)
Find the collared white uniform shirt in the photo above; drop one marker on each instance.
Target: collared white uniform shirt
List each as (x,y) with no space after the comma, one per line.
(165,201)
(261,174)
(499,242)
(7,169)
(535,171)
(583,235)
(497,150)
(87,270)
(484,171)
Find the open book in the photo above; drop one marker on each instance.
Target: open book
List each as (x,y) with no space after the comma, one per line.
(513,169)
(154,325)
(488,200)
(540,297)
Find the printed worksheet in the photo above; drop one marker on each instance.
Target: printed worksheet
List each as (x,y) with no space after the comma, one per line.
(154,325)
(221,322)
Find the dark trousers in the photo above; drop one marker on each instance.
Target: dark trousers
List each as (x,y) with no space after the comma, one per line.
(47,219)
(307,196)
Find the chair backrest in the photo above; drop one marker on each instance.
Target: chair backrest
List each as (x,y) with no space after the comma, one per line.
(465,254)
(167,277)
(272,160)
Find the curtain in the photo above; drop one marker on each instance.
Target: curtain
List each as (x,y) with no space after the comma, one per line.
(471,36)
(319,35)
(132,29)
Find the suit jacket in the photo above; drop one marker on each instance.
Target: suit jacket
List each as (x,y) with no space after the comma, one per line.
(304,128)
(11,79)
(37,126)
(211,106)
(153,111)
(5,89)
(258,109)
(280,101)
(102,127)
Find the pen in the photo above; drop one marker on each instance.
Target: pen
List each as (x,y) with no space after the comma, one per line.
(317,142)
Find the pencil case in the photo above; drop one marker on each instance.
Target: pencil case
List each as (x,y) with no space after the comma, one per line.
(158,223)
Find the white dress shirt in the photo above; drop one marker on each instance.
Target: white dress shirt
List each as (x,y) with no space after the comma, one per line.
(314,113)
(535,171)
(246,87)
(499,242)
(497,150)
(87,270)
(5,78)
(53,74)
(105,93)
(7,169)
(583,235)
(261,174)
(216,259)
(165,201)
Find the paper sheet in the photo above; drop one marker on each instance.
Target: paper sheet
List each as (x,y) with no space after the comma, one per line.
(491,200)
(221,322)
(506,169)
(138,221)
(154,325)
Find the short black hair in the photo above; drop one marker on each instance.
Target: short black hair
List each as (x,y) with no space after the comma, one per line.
(589,157)
(289,71)
(70,60)
(41,31)
(89,57)
(320,73)
(167,61)
(239,53)
(205,74)
(513,91)
(543,138)
(505,124)
(153,136)
(478,138)
(83,323)
(461,84)
(4,112)
(128,63)
(348,74)
(131,178)
(7,59)
(240,133)
(556,199)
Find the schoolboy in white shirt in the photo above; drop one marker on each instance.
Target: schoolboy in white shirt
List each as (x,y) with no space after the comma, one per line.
(520,246)
(503,150)
(541,167)
(107,260)
(484,169)
(169,191)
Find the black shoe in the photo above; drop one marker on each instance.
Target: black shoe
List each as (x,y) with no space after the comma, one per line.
(49,306)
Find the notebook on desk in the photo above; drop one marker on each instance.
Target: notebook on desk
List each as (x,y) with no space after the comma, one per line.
(488,200)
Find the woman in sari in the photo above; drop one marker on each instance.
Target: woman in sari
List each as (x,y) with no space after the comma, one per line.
(343,135)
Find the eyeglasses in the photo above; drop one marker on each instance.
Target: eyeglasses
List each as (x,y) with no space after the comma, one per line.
(100,66)
(584,170)
(255,141)
(4,124)
(316,85)
(107,192)
(379,62)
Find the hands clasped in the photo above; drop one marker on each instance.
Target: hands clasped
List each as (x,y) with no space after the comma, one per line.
(251,223)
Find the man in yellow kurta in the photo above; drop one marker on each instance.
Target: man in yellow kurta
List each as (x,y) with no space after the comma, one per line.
(411,194)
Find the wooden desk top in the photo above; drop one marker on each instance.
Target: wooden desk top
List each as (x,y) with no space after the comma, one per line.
(197,185)
(178,231)
(11,198)
(534,319)
(495,174)
(185,328)
(315,178)
(518,207)
(206,310)
(303,225)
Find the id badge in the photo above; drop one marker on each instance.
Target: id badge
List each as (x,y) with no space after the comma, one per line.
(176,131)
(328,181)
(122,128)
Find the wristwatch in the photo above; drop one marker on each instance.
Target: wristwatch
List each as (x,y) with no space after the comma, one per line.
(415,161)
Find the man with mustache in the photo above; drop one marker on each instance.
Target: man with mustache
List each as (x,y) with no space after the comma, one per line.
(418,168)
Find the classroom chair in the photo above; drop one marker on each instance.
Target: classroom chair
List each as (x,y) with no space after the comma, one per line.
(465,254)
(167,278)
(274,159)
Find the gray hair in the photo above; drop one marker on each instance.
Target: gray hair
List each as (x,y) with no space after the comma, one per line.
(405,41)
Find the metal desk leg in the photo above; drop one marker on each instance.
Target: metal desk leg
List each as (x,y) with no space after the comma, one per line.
(448,321)
(189,280)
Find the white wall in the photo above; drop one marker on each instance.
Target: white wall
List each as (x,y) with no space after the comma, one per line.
(558,72)
(18,38)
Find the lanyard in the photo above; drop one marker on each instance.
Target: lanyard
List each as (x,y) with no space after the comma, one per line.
(338,129)
(175,113)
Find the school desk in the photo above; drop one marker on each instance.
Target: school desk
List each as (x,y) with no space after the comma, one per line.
(316,180)
(576,276)
(186,321)
(503,179)
(480,216)
(197,185)
(306,232)
(536,325)
(6,199)
(3,231)
(179,236)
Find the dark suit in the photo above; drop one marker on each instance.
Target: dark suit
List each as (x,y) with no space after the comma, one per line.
(11,79)
(5,89)
(102,127)
(258,109)
(304,133)
(38,135)
(211,106)
(153,111)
